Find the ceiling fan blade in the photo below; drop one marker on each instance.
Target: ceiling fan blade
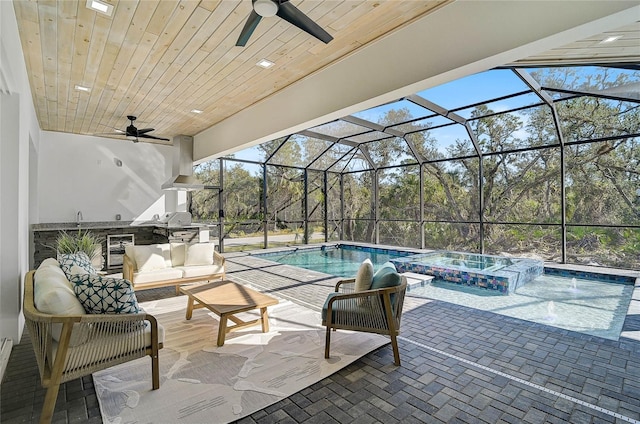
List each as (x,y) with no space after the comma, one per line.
(294,16)
(101,134)
(252,22)
(152,136)
(144,130)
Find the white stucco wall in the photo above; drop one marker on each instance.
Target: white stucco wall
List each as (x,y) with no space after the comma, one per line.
(80,173)
(19,135)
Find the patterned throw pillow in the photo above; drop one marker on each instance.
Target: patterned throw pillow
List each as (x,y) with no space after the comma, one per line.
(105,295)
(76,263)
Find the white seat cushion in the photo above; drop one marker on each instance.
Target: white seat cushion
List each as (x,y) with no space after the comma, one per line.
(157,275)
(198,271)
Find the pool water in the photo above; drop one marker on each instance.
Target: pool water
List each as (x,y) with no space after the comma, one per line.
(339,261)
(591,307)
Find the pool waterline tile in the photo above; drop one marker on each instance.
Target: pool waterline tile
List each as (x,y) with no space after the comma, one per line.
(501,274)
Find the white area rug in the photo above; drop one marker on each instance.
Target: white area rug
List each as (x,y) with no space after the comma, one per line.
(203,383)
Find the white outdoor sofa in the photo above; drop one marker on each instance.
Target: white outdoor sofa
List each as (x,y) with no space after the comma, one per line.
(171,264)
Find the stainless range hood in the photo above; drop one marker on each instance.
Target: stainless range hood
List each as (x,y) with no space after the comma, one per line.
(183,182)
(182,177)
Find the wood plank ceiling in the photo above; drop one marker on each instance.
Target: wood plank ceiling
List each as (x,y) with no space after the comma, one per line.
(159,60)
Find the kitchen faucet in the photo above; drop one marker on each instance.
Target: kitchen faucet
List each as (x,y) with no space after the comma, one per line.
(78,218)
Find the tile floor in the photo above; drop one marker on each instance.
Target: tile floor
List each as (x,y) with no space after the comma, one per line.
(459,365)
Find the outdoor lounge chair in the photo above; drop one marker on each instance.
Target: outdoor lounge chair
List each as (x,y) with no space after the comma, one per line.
(72,346)
(372,311)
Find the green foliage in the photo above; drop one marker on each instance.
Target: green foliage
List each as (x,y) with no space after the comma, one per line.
(82,241)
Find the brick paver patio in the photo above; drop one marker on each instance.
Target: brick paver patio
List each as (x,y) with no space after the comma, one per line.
(458,365)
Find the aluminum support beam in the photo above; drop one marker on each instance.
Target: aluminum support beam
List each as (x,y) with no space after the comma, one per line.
(325,196)
(305,205)
(533,84)
(221,209)
(265,212)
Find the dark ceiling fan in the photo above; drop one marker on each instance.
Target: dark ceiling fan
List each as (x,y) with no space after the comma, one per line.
(133,133)
(286,11)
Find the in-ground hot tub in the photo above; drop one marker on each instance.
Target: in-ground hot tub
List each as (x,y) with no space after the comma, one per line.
(491,272)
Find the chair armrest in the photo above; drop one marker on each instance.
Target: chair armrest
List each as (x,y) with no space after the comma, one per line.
(365,293)
(376,305)
(347,285)
(127,268)
(218,259)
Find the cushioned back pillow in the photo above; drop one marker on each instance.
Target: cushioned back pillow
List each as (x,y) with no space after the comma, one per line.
(105,295)
(178,252)
(199,254)
(364,277)
(386,277)
(152,257)
(53,294)
(76,263)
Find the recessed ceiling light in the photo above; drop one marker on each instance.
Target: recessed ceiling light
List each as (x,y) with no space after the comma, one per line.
(100,6)
(264,63)
(81,88)
(611,39)
(198,111)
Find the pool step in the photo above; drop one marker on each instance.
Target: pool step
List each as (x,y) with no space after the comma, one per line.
(415,280)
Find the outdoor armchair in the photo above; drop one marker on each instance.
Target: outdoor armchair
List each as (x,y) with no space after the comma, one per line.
(372,311)
(86,343)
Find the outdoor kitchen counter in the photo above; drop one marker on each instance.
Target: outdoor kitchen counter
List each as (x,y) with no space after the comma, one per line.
(149,232)
(61,226)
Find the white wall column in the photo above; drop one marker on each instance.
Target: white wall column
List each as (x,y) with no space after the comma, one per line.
(10,254)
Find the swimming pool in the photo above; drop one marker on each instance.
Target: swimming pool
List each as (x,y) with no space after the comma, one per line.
(582,301)
(338,260)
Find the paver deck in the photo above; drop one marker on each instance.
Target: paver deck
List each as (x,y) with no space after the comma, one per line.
(458,365)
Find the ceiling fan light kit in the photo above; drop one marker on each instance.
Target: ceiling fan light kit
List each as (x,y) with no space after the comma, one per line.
(265,8)
(284,10)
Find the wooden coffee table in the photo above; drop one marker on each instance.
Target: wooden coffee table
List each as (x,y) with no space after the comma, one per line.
(225,299)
